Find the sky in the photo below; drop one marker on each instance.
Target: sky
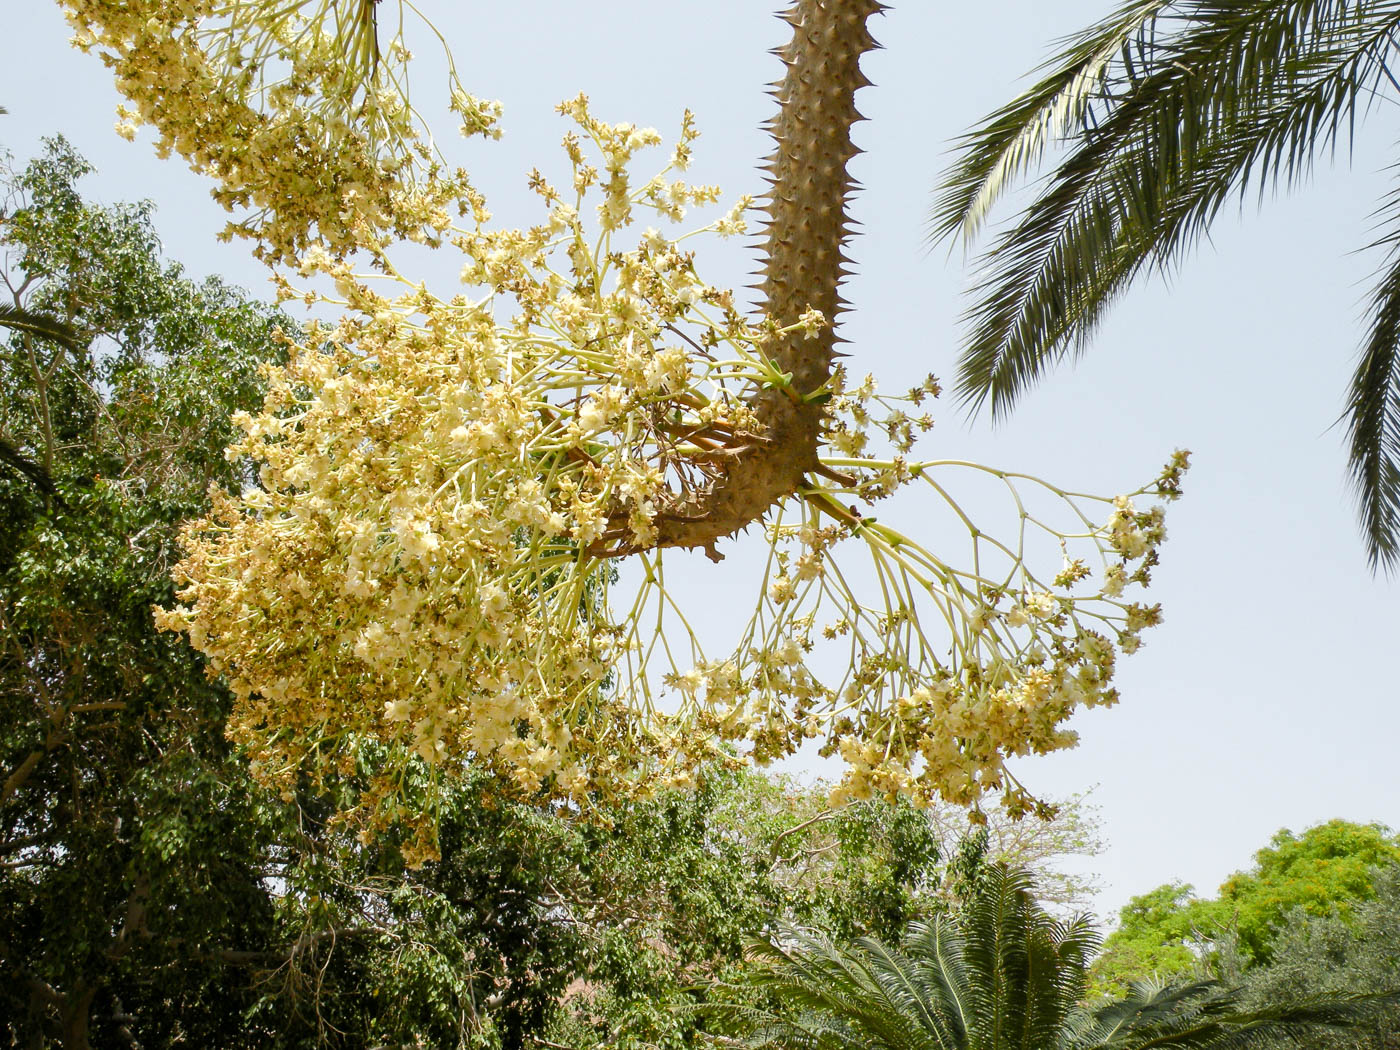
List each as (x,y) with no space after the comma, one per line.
(1268,697)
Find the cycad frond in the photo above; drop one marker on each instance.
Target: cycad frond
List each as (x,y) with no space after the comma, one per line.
(1021,969)
(940,948)
(908,992)
(835,998)
(1210,100)
(1205,1015)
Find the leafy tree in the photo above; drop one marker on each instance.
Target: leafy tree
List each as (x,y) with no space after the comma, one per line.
(667,898)
(674,907)
(1168,109)
(150,891)
(1038,847)
(124,821)
(15,317)
(1326,870)
(1315,954)
(1323,871)
(1160,936)
(1001,973)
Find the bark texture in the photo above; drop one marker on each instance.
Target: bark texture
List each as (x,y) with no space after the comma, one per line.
(803,264)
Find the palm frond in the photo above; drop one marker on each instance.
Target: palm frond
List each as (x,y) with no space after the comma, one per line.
(913,991)
(1373,411)
(18,319)
(1013,140)
(1242,95)
(939,946)
(836,998)
(1205,102)
(1022,969)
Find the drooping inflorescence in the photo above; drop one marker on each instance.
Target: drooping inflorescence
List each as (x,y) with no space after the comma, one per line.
(424,576)
(310,145)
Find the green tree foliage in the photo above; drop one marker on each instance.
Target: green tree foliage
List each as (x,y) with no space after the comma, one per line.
(1326,954)
(16,318)
(1167,110)
(1039,846)
(149,892)
(1159,936)
(123,823)
(1324,870)
(999,973)
(665,900)
(1169,932)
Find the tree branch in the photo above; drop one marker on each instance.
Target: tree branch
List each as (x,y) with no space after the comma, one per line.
(21,773)
(803,267)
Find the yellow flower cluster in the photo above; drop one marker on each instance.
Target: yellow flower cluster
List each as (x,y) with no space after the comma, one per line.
(916,716)
(257,95)
(423,577)
(425,563)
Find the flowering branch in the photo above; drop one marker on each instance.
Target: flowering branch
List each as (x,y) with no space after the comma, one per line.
(425,576)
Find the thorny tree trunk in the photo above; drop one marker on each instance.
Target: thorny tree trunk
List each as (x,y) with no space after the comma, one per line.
(802,264)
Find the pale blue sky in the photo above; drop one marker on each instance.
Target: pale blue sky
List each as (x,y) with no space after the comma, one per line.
(1268,698)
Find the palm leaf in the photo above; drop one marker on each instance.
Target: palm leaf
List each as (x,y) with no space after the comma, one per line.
(1167,151)
(831,997)
(1208,101)
(20,320)
(1013,140)
(1373,410)
(939,946)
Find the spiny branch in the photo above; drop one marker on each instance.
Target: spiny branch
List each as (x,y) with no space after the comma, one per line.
(803,264)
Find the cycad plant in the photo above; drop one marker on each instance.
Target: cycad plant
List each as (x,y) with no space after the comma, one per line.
(1000,974)
(1169,109)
